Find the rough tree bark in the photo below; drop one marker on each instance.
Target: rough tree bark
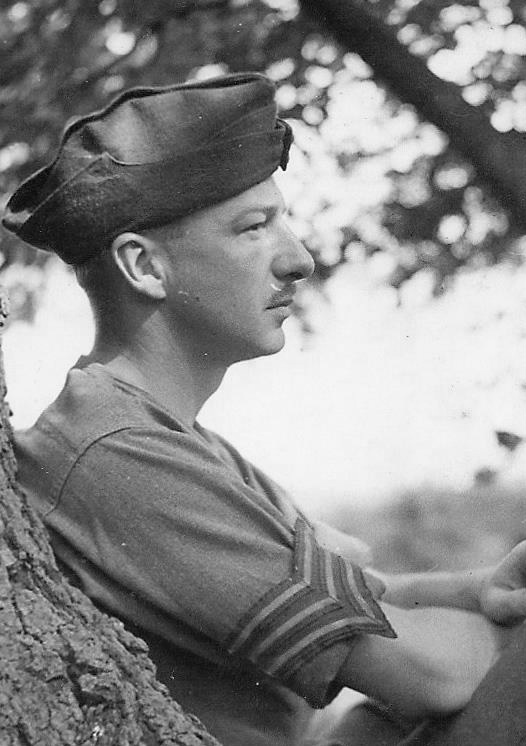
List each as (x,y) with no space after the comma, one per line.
(499,158)
(70,676)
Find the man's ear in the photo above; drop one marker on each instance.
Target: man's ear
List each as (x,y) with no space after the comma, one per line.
(139,263)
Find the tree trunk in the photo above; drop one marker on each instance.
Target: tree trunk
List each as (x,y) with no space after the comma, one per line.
(499,158)
(70,675)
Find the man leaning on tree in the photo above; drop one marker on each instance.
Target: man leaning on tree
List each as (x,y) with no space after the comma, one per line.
(256,616)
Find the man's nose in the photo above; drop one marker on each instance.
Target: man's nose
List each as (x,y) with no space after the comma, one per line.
(292,260)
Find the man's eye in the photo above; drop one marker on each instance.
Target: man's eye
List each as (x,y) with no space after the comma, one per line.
(255,227)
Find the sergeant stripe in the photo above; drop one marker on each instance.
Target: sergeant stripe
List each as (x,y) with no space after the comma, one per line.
(297,619)
(350,585)
(308,556)
(322,601)
(304,552)
(329,576)
(276,604)
(314,637)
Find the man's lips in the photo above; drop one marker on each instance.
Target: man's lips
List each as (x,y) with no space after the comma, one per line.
(282,299)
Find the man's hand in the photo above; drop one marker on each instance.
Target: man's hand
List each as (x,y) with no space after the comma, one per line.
(503,589)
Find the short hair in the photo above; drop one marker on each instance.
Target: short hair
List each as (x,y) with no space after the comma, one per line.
(101,280)
(98,278)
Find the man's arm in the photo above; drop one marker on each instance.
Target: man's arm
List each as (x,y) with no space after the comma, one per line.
(498,592)
(432,668)
(460,590)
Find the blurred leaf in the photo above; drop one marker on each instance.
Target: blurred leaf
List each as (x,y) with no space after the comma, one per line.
(508,440)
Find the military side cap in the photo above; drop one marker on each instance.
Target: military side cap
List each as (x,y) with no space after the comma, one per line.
(153,155)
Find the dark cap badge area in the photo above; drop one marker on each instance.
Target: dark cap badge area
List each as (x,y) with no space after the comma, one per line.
(152,156)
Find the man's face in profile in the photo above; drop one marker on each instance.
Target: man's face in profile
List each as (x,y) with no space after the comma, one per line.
(231,274)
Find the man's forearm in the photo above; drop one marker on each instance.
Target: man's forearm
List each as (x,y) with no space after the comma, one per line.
(433,668)
(459,590)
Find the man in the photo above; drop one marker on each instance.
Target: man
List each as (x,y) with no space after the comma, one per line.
(165,205)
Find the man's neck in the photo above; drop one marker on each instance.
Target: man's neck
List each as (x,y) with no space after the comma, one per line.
(179,378)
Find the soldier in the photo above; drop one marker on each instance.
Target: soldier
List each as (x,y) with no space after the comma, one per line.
(165,205)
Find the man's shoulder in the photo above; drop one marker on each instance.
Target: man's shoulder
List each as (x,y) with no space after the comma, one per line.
(90,405)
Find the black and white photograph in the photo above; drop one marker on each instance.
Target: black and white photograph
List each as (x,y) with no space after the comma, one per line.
(263,373)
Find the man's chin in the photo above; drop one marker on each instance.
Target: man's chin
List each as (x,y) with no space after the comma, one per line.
(270,347)
(275,344)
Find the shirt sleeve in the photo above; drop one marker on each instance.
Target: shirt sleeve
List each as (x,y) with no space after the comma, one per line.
(325,600)
(163,516)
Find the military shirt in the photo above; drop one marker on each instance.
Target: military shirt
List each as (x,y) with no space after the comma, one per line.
(248,615)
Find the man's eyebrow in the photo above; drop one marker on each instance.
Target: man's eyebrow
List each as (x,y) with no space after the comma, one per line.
(269,210)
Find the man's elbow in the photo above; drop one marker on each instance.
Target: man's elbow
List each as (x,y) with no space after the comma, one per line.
(445,675)
(432,698)
(447,692)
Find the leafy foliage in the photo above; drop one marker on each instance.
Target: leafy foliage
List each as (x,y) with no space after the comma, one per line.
(379,178)
(481,47)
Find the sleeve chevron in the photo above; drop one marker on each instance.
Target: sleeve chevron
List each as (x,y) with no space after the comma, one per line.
(325,600)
